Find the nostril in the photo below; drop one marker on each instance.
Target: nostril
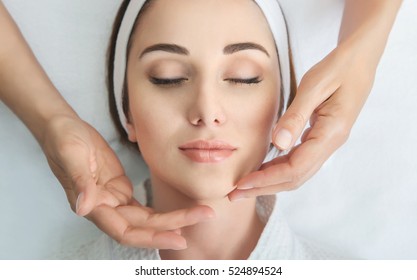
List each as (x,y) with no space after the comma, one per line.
(196,121)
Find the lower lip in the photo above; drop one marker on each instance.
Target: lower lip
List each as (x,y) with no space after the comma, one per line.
(207,156)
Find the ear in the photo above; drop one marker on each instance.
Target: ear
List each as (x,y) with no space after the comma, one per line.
(131,132)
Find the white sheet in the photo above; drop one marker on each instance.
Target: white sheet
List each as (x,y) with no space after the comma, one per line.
(361,204)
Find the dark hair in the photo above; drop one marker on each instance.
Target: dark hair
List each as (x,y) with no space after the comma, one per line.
(125,97)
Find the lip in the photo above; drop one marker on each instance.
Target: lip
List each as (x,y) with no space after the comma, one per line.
(203,151)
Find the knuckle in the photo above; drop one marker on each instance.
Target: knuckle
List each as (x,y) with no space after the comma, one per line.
(122,238)
(319,85)
(313,74)
(313,79)
(341,133)
(78,180)
(263,179)
(296,120)
(297,179)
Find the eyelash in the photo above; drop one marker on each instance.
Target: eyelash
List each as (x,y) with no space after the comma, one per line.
(179,81)
(250,81)
(167,82)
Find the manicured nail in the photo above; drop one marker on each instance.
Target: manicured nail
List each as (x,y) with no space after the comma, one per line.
(283,139)
(77,204)
(237,197)
(181,247)
(245,186)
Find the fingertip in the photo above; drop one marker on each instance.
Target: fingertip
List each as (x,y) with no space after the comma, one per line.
(201,213)
(208,212)
(82,206)
(245,186)
(78,204)
(177,231)
(237,195)
(181,245)
(282,139)
(169,240)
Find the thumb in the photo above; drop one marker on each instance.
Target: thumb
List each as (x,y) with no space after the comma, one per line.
(81,168)
(85,189)
(292,123)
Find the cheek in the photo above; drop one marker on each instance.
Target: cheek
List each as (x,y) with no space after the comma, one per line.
(151,125)
(265,115)
(256,123)
(261,117)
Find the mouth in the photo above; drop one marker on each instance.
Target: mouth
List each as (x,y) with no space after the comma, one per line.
(203,151)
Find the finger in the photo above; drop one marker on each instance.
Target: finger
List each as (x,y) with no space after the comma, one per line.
(237,194)
(117,191)
(134,202)
(277,172)
(290,177)
(86,190)
(329,131)
(167,221)
(121,188)
(291,171)
(314,89)
(300,170)
(287,172)
(117,227)
(306,134)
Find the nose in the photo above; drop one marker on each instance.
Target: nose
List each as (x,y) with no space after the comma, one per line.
(206,108)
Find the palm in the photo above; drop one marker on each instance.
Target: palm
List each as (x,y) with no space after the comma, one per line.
(84,163)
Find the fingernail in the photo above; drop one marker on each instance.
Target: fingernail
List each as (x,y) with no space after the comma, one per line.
(237,197)
(283,139)
(245,186)
(181,246)
(77,204)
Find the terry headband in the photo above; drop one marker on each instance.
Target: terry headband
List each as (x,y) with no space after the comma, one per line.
(272,12)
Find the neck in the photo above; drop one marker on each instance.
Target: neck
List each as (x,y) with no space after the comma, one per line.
(232,234)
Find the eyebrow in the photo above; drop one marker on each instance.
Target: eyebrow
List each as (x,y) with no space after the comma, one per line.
(233,48)
(171,48)
(229,49)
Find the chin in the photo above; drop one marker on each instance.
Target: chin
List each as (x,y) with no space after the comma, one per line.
(207,189)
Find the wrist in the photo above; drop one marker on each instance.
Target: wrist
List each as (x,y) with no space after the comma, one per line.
(365,28)
(46,119)
(359,54)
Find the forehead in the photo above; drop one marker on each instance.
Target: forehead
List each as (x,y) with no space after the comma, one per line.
(205,22)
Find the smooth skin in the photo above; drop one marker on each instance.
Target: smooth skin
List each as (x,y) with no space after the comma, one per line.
(331,95)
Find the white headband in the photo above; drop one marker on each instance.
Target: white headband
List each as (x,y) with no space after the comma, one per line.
(271,10)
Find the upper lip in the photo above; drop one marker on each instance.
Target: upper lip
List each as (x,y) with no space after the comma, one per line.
(207,145)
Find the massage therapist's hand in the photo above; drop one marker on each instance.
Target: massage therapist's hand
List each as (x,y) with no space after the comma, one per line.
(96,186)
(330,95)
(85,165)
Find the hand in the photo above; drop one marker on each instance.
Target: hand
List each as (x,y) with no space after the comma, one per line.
(331,95)
(97,187)
(138,226)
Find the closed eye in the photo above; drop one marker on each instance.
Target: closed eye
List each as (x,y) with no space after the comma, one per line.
(255,80)
(167,82)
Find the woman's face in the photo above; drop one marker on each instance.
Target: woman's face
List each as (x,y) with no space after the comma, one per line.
(203,83)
